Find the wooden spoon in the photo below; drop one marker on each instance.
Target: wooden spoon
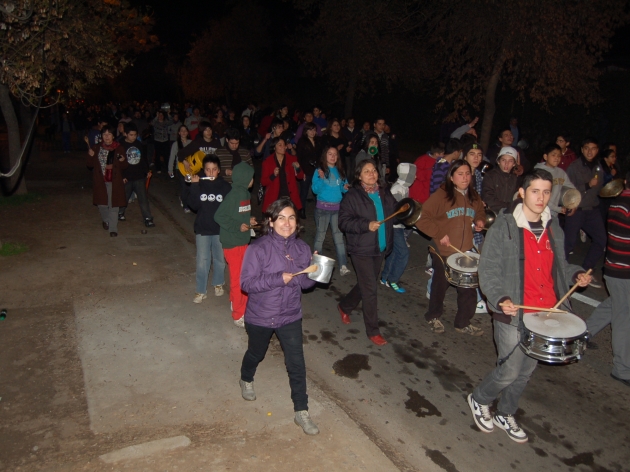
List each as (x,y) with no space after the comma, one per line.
(402,209)
(309,270)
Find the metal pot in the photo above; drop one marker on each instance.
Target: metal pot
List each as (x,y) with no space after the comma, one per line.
(410,217)
(490,217)
(612,189)
(485,167)
(325,266)
(570,198)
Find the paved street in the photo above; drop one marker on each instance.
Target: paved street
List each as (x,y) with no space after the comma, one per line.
(148,363)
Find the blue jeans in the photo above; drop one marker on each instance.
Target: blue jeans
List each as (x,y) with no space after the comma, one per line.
(290,337)
(510,378)
(323,218)
(209,251)
(396,262)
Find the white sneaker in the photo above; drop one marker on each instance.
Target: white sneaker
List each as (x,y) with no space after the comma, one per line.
(470,329)
(436,326)
(428,295)
(481,307)
(240,322)
(218,290)
(344,270)
(247,390)
(303,419)
(429,271)
(199,297)
(582,236)
(481,415)
(508,424)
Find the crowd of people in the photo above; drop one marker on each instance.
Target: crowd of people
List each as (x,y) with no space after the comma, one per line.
(504,214)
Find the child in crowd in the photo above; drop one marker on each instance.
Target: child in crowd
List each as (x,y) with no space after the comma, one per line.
(396,262)
(205,197)
(234,218)
(136,174)
(552,156)
(329,184)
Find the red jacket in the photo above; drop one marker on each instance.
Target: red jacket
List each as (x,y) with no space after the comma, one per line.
(419,190)
(272,183)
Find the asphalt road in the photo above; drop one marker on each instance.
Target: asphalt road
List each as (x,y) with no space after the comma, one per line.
(410,395)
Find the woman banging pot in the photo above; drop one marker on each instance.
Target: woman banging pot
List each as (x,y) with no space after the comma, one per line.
(366,203)
(447,217)
(274,304)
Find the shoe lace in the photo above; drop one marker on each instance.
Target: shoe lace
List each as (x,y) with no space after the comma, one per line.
(485,411)
(512,423)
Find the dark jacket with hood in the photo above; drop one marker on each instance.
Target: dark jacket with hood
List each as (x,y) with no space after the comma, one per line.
(205,197)
(236,208)
(498,189)
(356,211)
(271,302)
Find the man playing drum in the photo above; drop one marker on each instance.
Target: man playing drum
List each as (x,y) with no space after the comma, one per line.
(523,263)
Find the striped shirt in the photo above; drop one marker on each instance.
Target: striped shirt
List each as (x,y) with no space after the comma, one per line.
(617,262)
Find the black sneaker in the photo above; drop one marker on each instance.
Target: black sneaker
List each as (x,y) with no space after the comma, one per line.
(121,217)
(149,223)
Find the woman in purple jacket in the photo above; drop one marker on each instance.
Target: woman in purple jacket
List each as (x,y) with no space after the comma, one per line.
(274,303)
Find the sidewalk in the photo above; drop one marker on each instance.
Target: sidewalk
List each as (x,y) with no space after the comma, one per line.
(105,350)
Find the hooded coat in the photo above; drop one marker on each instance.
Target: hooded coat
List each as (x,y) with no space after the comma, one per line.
(272,182)
(236,209)
(271,302)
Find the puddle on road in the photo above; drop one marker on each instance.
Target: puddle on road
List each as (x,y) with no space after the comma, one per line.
(420,405)
(328,337)
(440,459)
(351,365)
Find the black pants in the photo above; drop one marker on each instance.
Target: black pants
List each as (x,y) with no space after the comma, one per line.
(466,297)
(138,186)
(184,189)
(305,186)
(290,337)
(367,269)
(162,151)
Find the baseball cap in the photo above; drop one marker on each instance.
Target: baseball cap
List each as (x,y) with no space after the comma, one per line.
(470,146)
(508,151)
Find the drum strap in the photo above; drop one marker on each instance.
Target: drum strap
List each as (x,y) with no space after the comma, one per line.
(521,263)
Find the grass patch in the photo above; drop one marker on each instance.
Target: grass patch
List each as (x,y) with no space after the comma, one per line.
(16,200)
(12,249)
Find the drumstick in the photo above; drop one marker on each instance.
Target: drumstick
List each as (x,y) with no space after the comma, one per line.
(462,253)
(309,270)
(537,308)
(402,209)
(573,289)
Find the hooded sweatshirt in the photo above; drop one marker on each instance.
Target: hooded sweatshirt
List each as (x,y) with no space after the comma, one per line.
(560,179)
(441,217)
(236,208)
(329,189)
(406,177)
(205,197)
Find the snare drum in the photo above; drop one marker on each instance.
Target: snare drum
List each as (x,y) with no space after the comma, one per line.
(462,271)
(556,338)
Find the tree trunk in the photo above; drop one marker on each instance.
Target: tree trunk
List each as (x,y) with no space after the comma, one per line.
(352,87)
(490,107)
(15,143)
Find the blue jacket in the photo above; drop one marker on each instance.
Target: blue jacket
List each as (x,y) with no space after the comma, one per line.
(331,189)
(271,303)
